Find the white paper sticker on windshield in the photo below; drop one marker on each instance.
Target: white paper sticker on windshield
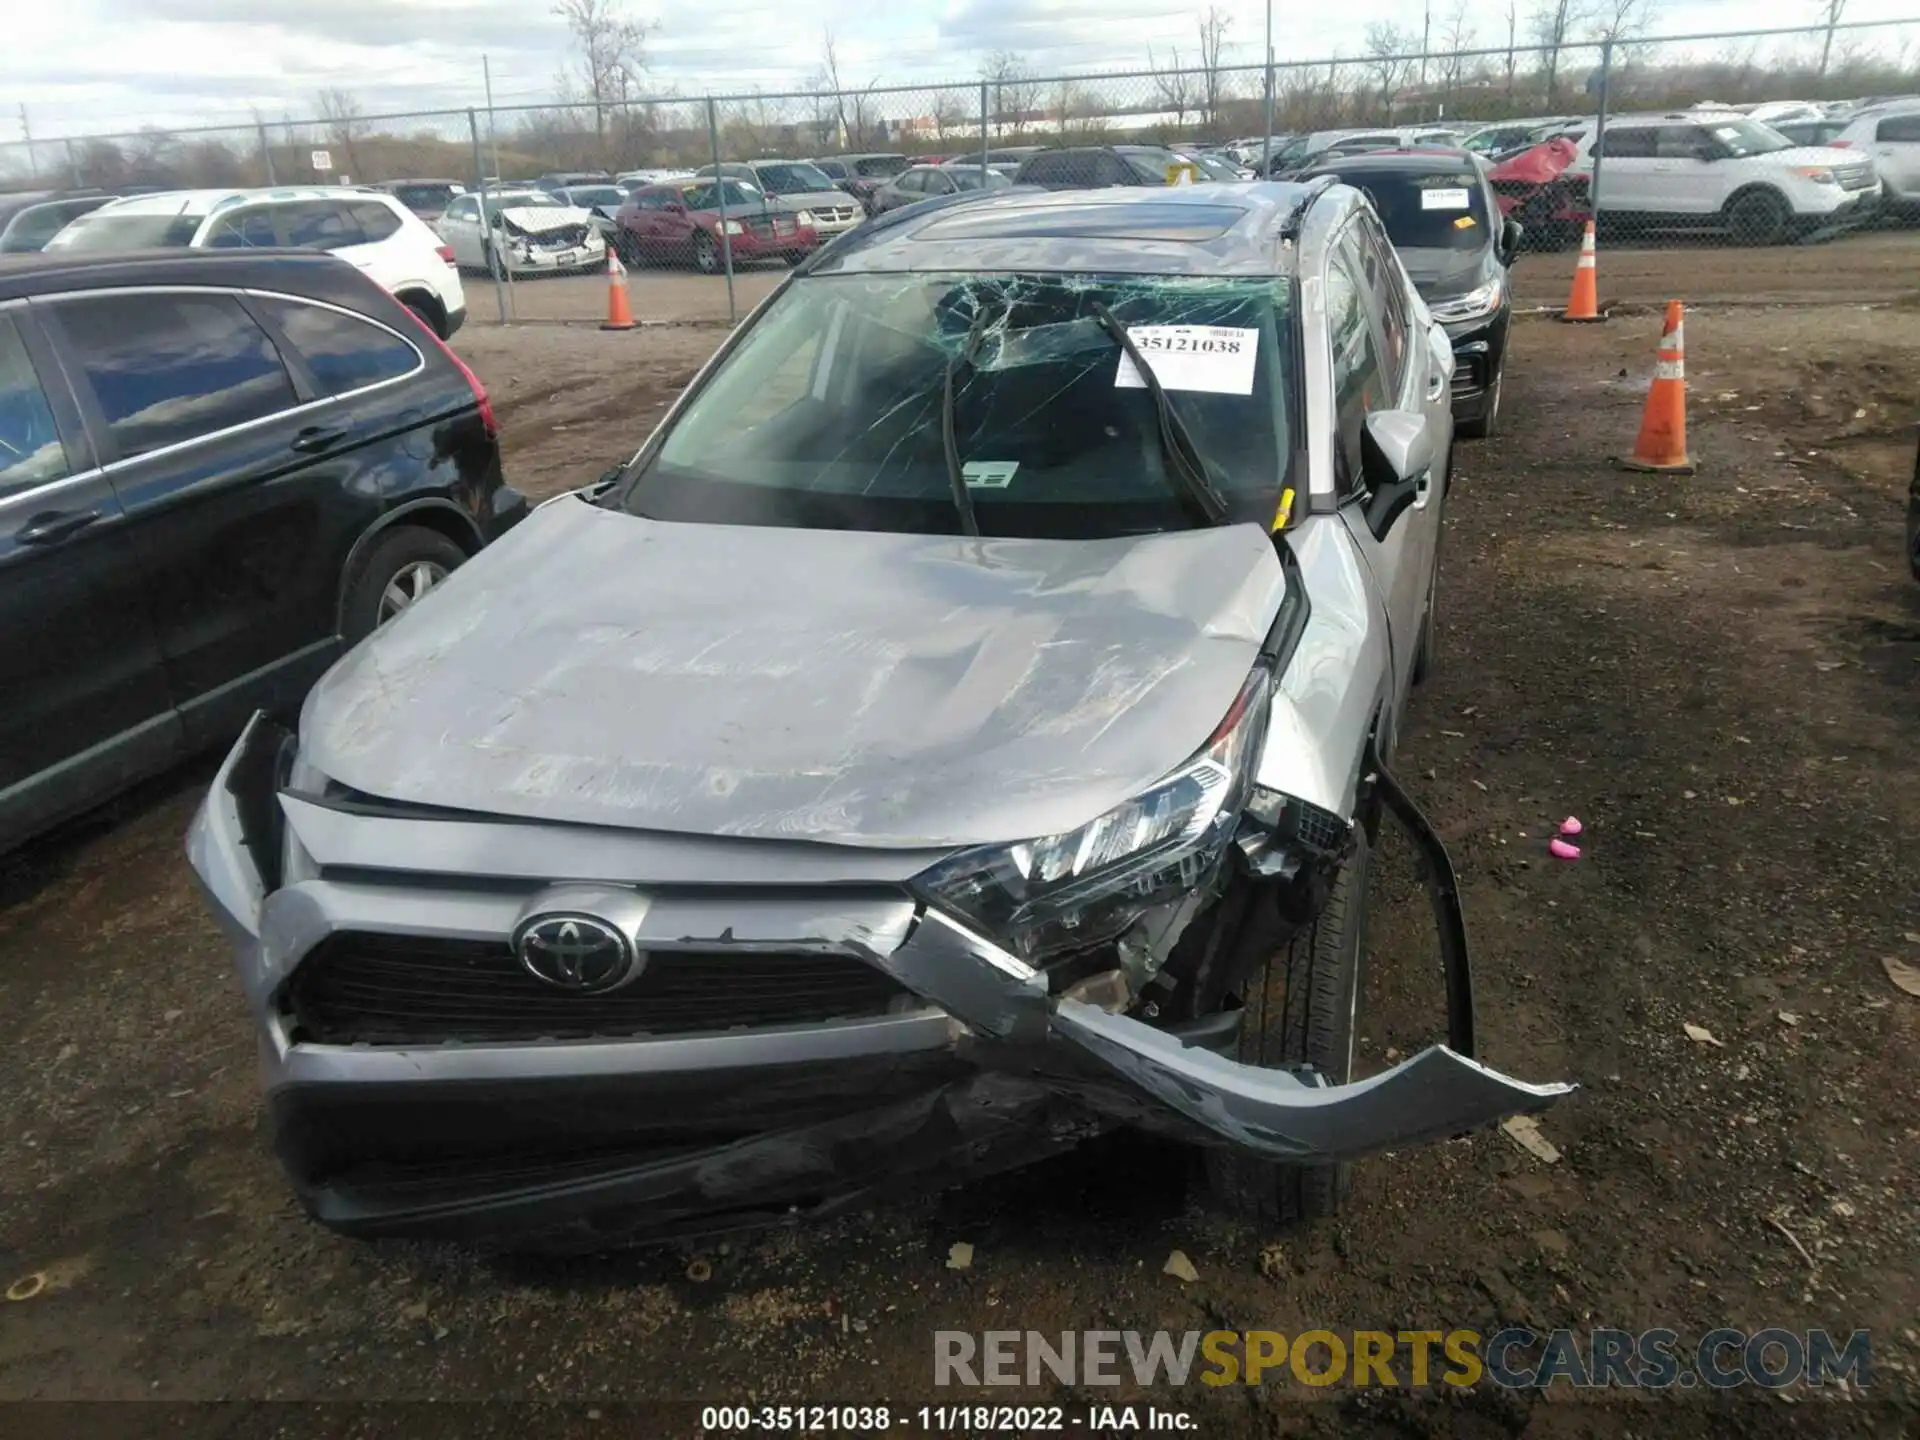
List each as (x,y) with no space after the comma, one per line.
(1443,199)
(1210,358)
(989,474)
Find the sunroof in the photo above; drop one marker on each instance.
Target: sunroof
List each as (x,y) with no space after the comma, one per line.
(1144,220)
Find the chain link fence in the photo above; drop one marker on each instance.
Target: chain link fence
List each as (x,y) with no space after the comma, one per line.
(1677,164)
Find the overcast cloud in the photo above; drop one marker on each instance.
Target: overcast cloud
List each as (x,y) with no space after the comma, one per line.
(94,66)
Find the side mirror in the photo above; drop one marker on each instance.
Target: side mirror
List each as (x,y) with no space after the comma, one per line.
(1511,234)
(1396,452)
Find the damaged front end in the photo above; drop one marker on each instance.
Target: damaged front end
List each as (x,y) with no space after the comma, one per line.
(1018,1000)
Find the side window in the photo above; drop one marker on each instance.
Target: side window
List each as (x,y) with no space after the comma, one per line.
(242,230)
(1678,142)
(912,182)
(1899,128)
(1389,304)
(376,221)
(1112,170)
(1358,386)
(172,367)
(343,351)
(1631,144)
(30,449)
(465,208)
(37,224)
(1045,169)
(320,225)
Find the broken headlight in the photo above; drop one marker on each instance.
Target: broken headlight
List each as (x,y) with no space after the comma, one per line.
(1085,886)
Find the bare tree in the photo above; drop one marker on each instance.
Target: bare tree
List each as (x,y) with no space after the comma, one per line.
(1388,49)
(1551,24)
(949,116)
(1213,39)
(1174,86)
(613,52)
(340,113)
(1013,93)
(1456,35)
(829,81)
(1513,26)
(1831,12)
(1618,20)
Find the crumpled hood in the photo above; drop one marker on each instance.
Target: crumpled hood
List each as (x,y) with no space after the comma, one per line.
(541,218)
(841,686)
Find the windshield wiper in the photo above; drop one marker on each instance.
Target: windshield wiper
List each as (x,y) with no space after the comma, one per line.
(1176,445)
(957,477)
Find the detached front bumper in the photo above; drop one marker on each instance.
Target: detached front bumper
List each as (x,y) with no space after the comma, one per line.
(578,1143)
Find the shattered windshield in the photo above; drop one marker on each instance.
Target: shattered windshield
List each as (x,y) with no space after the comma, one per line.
(833,410)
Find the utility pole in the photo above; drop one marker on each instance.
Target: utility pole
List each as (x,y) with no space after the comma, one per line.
(33,165)
(1426,35)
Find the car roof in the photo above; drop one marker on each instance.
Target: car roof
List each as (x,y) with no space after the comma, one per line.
(305,272)
(421,180)
(205,202)
(1424,160)
(1216,228)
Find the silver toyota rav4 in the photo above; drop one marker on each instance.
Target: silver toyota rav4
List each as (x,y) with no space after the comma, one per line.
(962,728)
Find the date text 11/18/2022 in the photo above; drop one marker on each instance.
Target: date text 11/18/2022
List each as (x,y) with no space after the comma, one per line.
(941,1419)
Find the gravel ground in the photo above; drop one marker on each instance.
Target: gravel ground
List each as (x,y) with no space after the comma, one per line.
(1717,674)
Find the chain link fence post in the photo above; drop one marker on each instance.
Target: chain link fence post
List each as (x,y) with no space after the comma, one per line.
(720,189)
(1600,133)
(486,223)
(266,153)
(73,166)
(983,131)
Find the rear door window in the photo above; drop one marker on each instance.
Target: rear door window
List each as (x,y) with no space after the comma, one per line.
(1899,128)
(243,230)
(344,352)
(30,450)
(321,225)
(1679,142)
(1631,144)
(377,222)
(167,368)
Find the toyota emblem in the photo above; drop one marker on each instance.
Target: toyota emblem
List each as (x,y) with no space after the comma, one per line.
(576,952)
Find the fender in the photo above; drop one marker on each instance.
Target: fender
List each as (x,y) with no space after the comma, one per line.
(471,540)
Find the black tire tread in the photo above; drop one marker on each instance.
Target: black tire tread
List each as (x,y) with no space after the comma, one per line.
(394,547)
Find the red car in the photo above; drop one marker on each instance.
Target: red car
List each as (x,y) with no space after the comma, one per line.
(665,224)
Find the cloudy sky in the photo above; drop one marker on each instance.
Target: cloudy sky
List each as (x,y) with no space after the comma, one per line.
(93,66)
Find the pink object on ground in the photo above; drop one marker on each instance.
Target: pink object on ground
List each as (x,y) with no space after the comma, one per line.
(1561,850)
(1570,826)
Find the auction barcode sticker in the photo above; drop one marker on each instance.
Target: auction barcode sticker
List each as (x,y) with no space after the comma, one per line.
(1443,199)
(1212,358)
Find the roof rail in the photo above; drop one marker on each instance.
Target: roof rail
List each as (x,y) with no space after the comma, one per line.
(1296,217)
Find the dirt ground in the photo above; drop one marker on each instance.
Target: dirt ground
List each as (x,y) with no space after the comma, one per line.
(1718,674)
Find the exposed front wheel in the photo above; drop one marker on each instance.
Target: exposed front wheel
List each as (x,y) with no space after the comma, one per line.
(1301,1007)
(706,254)
(401,566)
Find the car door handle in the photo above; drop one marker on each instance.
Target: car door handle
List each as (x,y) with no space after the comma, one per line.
(314,438)
(52,526)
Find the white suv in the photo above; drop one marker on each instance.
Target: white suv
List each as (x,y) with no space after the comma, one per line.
(1890,136)
(373,232)
(1727,172)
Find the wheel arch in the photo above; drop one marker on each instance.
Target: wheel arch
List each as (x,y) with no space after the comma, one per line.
(417,295)
(1758,187)
(441,516)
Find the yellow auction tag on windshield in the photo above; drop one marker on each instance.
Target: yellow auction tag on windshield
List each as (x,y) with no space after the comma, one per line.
(1463,222)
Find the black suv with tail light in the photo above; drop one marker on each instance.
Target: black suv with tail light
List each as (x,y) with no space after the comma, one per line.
(217,470)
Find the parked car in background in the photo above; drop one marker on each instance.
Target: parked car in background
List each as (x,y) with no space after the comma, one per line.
(566,179)
(1890,137)
(1442,216)
(1724,172)
(1508,137)
(922,182)
(799,188)
(653,176)
(28,221)
(1095,167)
(1212,166)
(217,469)
(373,232)
(682,223)
(1812,132)
(427,199)
(528,232)
(601,202)
(861,175)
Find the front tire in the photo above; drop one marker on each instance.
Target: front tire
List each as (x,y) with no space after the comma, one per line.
(401,565)
(706,254)
(1758,217)
(1302,1008)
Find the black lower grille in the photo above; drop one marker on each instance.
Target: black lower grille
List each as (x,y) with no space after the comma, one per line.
(1466,382)
(406,990)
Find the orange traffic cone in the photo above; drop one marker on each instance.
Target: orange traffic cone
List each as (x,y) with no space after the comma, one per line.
(619,313)
(1662,445)
(1584,303)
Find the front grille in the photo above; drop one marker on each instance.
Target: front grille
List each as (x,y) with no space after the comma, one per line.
(1466,380)
(563,237)
(836,214)
(1854,177)
(365,989)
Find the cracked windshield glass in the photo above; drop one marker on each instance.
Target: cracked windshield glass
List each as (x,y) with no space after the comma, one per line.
(993,405)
